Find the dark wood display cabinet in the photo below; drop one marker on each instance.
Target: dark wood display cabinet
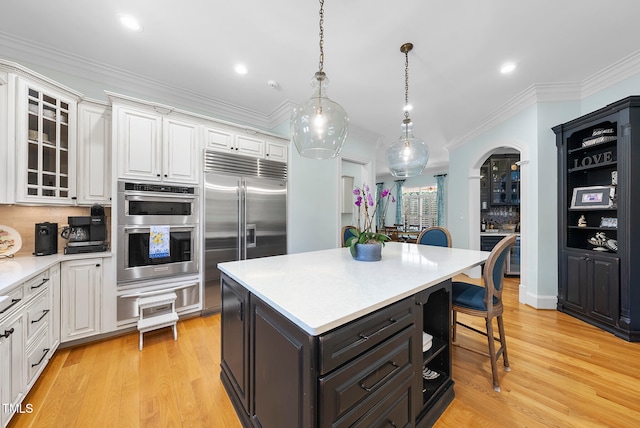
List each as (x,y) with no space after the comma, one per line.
(599,259)
(366,373)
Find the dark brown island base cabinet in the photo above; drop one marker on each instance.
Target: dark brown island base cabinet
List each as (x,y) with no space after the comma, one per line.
(367,373)
(598,212)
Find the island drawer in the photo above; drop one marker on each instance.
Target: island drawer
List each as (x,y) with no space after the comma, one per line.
(346,343)
(391,410)
(354,389)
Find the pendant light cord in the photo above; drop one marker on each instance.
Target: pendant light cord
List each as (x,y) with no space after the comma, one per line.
(321,64)
(406,83)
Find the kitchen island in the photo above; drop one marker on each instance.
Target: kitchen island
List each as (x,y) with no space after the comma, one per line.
(317,339)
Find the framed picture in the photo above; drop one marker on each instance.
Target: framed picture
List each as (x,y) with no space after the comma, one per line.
(608,222)
(594,197)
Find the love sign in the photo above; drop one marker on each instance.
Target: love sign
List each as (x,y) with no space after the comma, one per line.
(593,159)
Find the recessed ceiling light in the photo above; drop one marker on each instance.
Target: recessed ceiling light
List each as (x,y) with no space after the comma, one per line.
(507,67)
(131,23)
(241,69)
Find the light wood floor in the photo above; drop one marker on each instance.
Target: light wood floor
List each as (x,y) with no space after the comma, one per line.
(564,373)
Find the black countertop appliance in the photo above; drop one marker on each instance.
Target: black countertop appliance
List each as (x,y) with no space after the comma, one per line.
(46,239)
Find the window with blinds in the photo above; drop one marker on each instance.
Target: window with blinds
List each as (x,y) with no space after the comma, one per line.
(419,207)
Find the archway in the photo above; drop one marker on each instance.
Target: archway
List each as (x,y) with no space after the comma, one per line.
(474,204)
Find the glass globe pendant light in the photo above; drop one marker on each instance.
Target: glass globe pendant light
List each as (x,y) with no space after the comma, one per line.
(408,156)
(319,126)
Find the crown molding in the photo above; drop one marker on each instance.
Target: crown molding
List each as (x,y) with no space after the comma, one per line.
(547,92)
(74,65)
(617,72)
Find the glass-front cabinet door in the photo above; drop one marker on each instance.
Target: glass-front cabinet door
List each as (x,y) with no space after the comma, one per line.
(505,181)
(46,141)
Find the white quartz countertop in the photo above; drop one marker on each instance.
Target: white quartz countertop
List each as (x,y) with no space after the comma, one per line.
(499,233)
(17,269)
(321,290)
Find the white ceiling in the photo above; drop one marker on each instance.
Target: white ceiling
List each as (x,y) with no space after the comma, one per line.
(191,46)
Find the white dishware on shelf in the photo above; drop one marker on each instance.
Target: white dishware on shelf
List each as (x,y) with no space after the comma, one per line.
(599,241)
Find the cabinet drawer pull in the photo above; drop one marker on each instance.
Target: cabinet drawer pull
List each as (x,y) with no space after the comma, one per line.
(44,314)
(44,281)
(44,354)
(393,424)
(13,303)
(365,337)
(384,378)
(7,333)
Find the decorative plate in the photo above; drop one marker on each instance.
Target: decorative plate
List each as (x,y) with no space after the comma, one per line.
(10,241)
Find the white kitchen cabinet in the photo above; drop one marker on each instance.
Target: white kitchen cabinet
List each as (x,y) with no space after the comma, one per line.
(258,146)
(94,154)
(6,143)
(45,144)
(27,318)
(138,144)
(155,147)
(250,146)
(180,151)
(38,349)
(81,297)
(230,142)
(12,357)
(54,286)
(277,151)
(218,139)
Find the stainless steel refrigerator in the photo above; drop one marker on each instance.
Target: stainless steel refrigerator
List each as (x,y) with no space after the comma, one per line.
(245,214)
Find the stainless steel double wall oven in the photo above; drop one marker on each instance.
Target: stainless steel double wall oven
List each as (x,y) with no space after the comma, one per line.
(143,207)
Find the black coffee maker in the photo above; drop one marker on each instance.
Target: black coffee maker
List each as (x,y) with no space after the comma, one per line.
(86,234)
(46,239)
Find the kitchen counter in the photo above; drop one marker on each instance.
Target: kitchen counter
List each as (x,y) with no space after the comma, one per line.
(17,269)
(339,342)
(321,290)
(499,233)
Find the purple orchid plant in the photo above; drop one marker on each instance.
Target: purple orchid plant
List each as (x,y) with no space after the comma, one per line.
(366,233)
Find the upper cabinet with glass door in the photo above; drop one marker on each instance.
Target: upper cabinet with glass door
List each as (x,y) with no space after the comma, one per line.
(45,145)
(505,180)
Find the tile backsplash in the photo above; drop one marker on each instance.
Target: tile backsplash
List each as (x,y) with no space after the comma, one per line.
(23,219)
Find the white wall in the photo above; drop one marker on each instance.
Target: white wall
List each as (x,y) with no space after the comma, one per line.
(315,193)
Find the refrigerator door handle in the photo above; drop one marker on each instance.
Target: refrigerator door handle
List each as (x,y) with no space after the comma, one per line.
(243,219)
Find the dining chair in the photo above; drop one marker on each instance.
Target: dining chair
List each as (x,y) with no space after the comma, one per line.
(485,302)
(346,234)
(435,235)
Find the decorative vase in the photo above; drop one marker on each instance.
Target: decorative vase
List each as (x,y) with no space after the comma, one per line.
(368,252)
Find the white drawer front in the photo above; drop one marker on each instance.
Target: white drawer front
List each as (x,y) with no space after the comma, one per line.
(38,314)
(37,356)
(36,284)
(14,300)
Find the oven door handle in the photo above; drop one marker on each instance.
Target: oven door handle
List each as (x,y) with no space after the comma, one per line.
(158,198)
(172,228)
